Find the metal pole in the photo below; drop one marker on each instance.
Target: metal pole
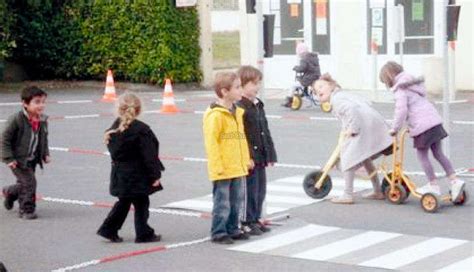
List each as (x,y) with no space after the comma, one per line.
(260,53)
(401,25)
(446,119)
(374,47)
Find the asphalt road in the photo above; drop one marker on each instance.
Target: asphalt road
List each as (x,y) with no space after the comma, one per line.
(320,236)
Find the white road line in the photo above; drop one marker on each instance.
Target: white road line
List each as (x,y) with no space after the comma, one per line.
(464,265)
(413,253)
(453,102)
(269,116)
(285,189)
(288,200)
(323,118)
(463,122)
(175,100)
(10,104)
(346,246)
(74,101)
(192,204)
(81,116)
(284,239)
(2,120)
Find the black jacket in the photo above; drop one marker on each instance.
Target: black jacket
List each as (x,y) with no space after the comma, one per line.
(135,162)
(17,136)
(309,67)
(262,150)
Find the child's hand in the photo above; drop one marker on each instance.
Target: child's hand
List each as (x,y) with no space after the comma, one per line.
(47,159)
(251,165)
(156,183)
(13,165)
(392,132)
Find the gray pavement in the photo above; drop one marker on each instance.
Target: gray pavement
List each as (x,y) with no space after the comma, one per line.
(64,235)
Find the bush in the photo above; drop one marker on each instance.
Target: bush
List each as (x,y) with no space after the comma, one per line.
(141,41)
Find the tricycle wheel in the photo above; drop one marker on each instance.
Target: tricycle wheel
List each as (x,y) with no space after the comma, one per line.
(309,182)
(430,202)
(461,200)
(397,195)
(386,183)
(297,102)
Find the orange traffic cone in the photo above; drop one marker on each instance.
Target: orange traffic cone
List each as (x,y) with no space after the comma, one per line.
(168,99)
(109,92)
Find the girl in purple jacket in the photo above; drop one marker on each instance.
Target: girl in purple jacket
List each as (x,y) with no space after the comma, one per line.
(424,124)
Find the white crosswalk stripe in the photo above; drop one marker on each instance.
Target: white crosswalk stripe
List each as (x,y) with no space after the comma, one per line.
(376,249)
(282,194)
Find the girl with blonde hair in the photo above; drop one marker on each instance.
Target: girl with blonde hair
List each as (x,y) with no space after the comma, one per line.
(365,131)
(136,170)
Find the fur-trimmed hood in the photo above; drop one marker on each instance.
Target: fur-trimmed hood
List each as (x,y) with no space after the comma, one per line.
(407,82)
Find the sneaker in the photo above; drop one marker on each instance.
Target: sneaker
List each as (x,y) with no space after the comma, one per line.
(152,239)
(240,236)
(456,189)
(374,196)
(429,188)
(343,199)
(254,230)
(224,240)
(7,202)
(112,238)
(263,228)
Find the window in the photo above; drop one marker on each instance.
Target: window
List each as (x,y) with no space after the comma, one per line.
(377,25)
(419,27)
(321,26)
(289,26)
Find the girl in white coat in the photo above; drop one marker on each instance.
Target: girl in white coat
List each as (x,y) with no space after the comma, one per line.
(366,135)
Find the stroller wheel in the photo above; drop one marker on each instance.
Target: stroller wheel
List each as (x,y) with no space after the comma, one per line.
(309,182)
(430,202)
(386,183)
(326,107)
(296,103)
(396,195)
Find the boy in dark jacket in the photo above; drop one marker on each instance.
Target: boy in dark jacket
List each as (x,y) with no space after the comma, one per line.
(24,145)
(136,171)
(262,150)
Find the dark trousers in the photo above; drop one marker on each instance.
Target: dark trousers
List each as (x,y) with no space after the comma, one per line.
(116,217)
(255,191)
(25,188)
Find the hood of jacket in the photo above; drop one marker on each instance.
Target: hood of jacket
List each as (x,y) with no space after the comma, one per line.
(407,82)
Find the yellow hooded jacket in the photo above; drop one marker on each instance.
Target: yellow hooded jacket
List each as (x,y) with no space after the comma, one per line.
(226,146)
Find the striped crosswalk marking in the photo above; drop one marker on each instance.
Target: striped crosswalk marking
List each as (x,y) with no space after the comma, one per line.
(463,265)
(345,246)
(282,194)
(284,239)
(413,253)
(366,248)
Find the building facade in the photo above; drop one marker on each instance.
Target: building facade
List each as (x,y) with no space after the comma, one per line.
(343,31)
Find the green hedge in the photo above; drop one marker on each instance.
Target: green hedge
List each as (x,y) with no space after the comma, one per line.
(141,41)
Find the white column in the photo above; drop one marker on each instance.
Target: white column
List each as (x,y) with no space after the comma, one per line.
(205,41)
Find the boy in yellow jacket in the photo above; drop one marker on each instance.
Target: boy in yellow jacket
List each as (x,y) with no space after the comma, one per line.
(228,158)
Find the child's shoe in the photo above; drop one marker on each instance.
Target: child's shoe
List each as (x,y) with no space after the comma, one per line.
(263,228)
(343,199)
(253,229)
(429,188)
(374,196)
(112,238)
(7,202)
(224,240)
(152,239)
(457,187)
(240,236)
(28,216)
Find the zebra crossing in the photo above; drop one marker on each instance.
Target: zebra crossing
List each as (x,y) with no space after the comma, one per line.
(366,248)
(282,195)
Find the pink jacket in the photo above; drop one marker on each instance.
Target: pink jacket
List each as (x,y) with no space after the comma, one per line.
(412,106)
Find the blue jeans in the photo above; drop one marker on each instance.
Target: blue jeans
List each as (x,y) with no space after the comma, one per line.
(227,200)
(255,191)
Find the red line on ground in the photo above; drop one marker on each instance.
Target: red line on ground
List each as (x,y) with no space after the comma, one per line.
(83,151)
(131,254)
(56,117)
